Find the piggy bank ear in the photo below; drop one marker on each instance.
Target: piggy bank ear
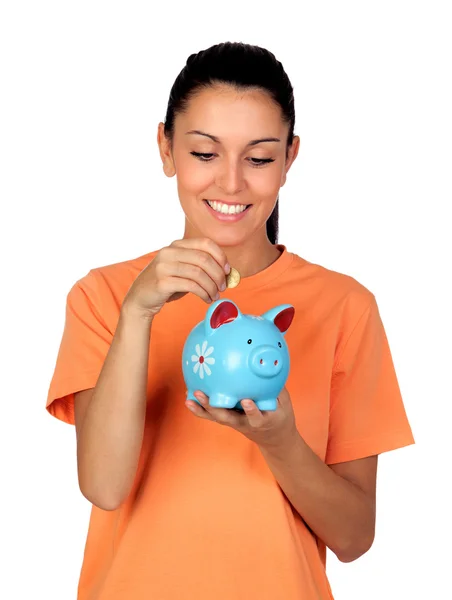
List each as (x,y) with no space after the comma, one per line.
(281,316)
(221,312)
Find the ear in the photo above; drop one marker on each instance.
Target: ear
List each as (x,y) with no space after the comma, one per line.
(291,156)
(164,144)
(281,316)
(221,312)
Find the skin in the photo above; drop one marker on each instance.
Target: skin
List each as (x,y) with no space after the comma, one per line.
(336,501)
(234,119)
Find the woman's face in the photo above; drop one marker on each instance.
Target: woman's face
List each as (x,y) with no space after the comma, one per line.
(229,148)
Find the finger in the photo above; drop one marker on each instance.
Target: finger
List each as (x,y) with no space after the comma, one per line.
(254,415)
(205,261)
(177,264)
(198,274)
(224,416)
(208,246)
(283,397)
(197,410)
(172,285)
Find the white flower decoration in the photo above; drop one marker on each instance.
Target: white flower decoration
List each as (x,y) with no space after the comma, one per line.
(202,359)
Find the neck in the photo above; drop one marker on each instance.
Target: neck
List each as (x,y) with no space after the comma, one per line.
(251,256)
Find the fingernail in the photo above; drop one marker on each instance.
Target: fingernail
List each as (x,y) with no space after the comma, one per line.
(223,286)
(227,268)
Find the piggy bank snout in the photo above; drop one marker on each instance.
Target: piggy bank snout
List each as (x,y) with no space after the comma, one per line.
(266,361)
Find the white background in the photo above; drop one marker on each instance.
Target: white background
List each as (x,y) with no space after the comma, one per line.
(84,85)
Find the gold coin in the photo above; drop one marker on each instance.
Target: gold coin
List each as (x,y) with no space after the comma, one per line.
(233,278)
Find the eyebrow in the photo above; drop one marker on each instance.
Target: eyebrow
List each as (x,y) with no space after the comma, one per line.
(217,140)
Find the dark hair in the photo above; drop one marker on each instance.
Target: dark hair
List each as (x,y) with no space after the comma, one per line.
(242,66)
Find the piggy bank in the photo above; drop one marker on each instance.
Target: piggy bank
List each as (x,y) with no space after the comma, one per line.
(231,356)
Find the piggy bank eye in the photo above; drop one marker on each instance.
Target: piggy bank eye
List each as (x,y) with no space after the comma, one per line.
(279,344)
(250,341)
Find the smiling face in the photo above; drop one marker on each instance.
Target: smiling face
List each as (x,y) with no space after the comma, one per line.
(229,148)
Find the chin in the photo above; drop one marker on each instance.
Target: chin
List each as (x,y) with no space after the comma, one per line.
(226,239)
(222,236)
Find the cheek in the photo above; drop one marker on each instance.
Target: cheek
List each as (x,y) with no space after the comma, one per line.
(192,176)
(264,182)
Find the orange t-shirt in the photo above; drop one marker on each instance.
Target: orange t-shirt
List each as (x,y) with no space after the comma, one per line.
(206,518)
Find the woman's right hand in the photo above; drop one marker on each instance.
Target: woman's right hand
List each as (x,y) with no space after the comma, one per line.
(196,265)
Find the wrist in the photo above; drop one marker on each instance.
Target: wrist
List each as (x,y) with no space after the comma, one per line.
(279,448)
(131,313)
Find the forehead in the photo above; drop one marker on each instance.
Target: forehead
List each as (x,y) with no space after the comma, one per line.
(232,114)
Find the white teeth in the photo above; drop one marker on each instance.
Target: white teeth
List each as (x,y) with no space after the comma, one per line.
(226,209)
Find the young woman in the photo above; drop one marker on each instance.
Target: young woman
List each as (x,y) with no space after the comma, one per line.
(191,501)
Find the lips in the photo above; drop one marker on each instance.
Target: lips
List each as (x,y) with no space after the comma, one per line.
(227,217)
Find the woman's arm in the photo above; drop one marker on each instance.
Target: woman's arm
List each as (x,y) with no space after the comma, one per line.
(337,502)
(109,419)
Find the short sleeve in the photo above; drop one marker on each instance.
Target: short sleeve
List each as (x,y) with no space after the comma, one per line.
(83,348)
(367,413)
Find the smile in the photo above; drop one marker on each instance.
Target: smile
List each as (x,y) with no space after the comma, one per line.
(227,209)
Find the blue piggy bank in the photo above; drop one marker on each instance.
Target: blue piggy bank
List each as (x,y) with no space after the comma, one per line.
(231,356)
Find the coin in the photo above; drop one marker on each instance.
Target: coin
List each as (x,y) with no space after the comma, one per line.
(233,278)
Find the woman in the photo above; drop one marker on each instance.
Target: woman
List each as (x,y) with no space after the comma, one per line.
(191,501)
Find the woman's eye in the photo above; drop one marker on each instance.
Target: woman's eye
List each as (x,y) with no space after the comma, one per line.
(259,162)
(208,156)
(203,156)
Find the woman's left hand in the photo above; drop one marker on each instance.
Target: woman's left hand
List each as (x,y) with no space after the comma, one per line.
(268,429)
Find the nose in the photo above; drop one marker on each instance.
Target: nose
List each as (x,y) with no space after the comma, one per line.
(230,178)
(266,361)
